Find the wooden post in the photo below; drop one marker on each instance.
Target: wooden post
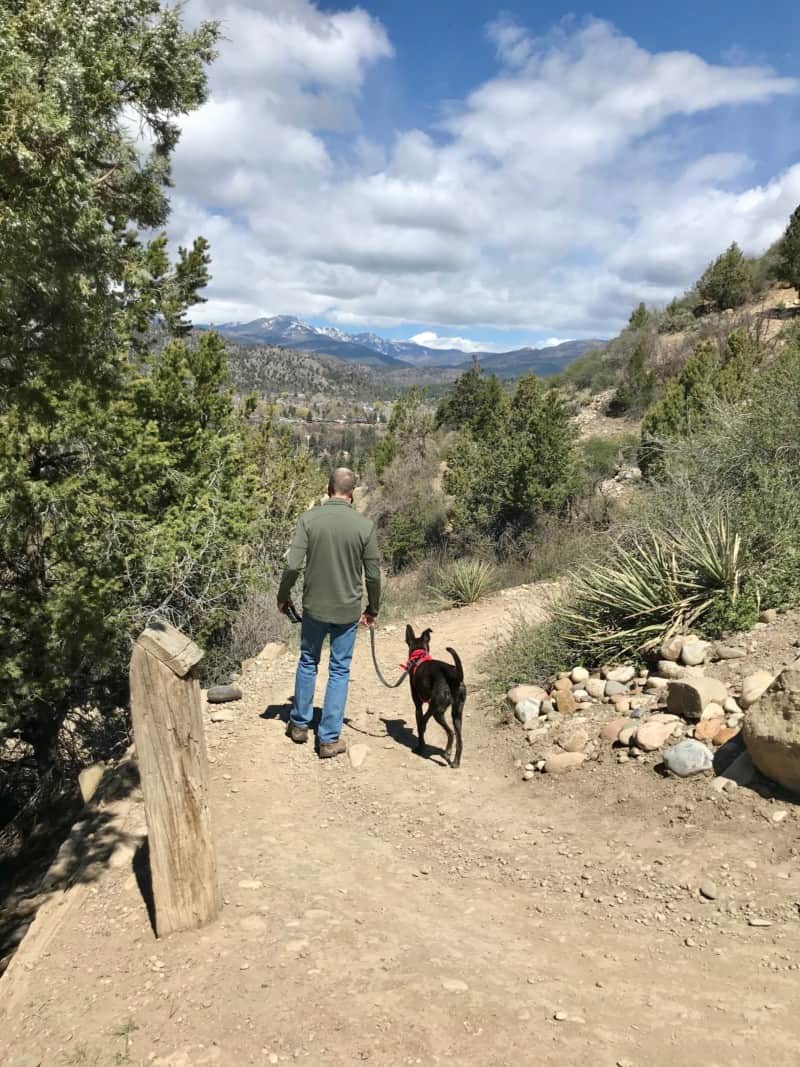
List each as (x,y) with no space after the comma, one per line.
(171,751)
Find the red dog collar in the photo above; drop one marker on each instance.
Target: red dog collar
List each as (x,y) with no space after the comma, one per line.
(418,656)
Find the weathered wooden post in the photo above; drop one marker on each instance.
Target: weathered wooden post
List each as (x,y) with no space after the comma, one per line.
(171,751)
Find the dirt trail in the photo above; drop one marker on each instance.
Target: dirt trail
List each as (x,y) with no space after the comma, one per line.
(411,914)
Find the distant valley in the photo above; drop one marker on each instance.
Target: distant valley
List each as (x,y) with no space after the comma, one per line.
(371,350)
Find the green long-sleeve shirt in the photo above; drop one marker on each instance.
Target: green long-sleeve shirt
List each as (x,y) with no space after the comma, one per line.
(336,544)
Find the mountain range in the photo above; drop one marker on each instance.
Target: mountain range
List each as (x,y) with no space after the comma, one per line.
(374,351)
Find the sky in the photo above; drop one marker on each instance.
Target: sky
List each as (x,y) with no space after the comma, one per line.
(481,174)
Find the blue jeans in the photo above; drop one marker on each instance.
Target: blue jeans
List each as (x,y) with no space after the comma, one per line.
(312,637)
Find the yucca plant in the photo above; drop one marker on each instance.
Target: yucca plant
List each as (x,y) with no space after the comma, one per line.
(465,581)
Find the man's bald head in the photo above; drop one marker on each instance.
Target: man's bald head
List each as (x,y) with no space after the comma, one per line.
(342,482)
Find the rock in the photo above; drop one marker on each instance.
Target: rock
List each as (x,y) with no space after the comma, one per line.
(772,730)
(454,985)
(89,779)
(731,707)
(574,741)
(627,733)
(779,816)
(357,754)
(581,696)
(528,775)
(713,711)
(708,729)
(619,674)
(565,702)
(610,731)
(622,705)
(694,652)
(754,686)
(579,674)
(742,770)
(721,651)
(768,616)
(525,692)
(526,710)
(689,697)
(596,688)
(759,922)
(636,712)
(652,735)
(724,735)
(563,761)
(657,683)
(688,758)
(223,694)
(615,689)
(708,889)
(669,670)
(671,648)
(548,707)
(222,716)
(250,883)
(665,716)
(562,685)
(271,651)
(723,785)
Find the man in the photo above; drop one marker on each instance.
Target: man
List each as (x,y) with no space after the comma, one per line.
(337,545)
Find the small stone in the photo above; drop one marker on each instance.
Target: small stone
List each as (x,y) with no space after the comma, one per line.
(652,735)
(688,758)
(622,704)
(357,754)
(669,670)
(525,692)
(565,702)
(562,685)
(581,696)
(527,709)
(759,922)
(250,883)
(610,730)
(694,652)
(754,687)
(731,707)
(627,733)
(779,816)
(222,716)
(574,741)
(89,779)
(223,694)
(708,889)
(712,711)
(560,1016)
(547,708)
(656,683)
(579,674)
(454,985)
(671,648)
(726,734)
(689,698)
(563,761)
(728,652)
(768,616)
(596,688)
(528,775)
(708,729)
(624,675)
(615,689)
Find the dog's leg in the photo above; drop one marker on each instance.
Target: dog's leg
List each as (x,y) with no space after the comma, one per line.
(440,718)
(422,721)
(458,711)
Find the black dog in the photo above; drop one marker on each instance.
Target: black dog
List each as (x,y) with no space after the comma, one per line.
(440,686)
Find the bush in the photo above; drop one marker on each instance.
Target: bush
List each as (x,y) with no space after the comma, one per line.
(787,267)
(533,653)
(465,581)
(727,282)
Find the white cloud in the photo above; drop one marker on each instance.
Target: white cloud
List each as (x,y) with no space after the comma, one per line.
(557,195)
(430,339)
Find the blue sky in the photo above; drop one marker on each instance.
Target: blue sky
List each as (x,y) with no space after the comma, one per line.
(503,175)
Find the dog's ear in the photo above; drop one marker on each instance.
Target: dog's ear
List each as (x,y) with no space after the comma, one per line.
(426,637)
(410,638)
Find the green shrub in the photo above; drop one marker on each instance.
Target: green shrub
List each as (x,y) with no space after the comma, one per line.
(465,581)
(727,282)
(533,653)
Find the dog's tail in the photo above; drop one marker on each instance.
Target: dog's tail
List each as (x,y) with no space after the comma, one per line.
(457,662)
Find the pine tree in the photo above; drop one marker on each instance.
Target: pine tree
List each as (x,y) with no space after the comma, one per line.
(788,266)
(476,403)
(727,282)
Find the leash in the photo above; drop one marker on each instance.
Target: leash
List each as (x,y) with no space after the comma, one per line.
(389,685)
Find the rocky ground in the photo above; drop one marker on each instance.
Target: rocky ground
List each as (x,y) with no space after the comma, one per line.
(406,913)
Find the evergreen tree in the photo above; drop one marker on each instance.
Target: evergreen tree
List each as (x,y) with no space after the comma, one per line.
(727,282)
(788,265)
(639,317)
(476,403)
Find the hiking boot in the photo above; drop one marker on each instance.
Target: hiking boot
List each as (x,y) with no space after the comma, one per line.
(332,748)
(298,734)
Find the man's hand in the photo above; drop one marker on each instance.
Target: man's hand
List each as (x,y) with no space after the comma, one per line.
(282,606)
(367,619)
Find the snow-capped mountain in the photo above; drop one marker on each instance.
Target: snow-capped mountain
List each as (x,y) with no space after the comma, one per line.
(376,351)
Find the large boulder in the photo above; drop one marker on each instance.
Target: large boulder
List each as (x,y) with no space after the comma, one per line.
(772,730)
(690,697)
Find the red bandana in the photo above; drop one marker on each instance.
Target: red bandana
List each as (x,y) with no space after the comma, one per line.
(418,656)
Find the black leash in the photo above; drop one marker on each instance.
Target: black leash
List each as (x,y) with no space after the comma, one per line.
(389,685)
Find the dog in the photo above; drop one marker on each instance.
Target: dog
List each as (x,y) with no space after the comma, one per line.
(440,686)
